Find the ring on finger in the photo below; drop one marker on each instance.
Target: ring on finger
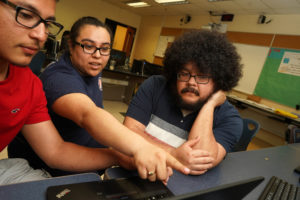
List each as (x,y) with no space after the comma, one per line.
(151,173)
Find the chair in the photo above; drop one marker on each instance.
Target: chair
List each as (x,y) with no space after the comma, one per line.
(250,128)
(292,134)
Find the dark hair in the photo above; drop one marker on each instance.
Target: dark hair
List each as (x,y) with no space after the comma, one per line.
(64,41)
(211,52)
(86,21)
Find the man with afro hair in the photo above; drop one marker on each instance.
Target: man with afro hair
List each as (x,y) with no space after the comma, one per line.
(185,110)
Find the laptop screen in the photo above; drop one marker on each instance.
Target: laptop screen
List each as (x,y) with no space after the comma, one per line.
(233,191)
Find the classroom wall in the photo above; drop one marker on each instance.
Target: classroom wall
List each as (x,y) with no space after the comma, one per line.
(253,56)
(68,11)
(146,41)
(281,24)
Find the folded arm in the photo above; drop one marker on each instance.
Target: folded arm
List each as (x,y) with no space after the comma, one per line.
(197,160)
(203,128)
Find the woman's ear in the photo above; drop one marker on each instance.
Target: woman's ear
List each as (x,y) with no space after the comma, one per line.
(70,45)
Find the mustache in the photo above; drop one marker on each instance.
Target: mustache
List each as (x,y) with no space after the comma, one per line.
(189,89)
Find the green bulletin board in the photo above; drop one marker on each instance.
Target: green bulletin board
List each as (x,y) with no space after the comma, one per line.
(281,86)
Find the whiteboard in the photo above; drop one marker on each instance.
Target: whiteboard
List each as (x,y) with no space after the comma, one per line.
(162,45)
(253,59)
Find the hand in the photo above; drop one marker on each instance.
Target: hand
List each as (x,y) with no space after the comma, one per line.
(170,173)
(154,163)
(218,98)
(198,161)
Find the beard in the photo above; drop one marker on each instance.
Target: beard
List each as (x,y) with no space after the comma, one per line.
(195,106)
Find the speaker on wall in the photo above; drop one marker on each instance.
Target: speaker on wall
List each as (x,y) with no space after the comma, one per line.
(227,17)
(261,19)
(186,19)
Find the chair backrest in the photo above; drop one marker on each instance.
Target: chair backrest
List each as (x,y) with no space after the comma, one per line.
(250,128)
(292,134)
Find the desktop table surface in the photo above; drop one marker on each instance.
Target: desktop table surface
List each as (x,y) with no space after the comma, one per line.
(275,161)
(261,107)
(279,161)
(36,190)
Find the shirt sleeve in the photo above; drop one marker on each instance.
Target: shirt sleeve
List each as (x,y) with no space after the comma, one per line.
(38,103)
(228,126)
(59,84)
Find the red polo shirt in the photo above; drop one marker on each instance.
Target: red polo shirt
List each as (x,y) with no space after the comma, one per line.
(22,101)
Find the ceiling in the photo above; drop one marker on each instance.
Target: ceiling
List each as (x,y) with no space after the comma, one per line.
(202,7)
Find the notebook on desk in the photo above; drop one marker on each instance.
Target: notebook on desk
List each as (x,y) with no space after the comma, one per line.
(135,188)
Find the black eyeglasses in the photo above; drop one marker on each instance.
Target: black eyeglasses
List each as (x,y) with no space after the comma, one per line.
(200,79)
(31,19)
(91,49)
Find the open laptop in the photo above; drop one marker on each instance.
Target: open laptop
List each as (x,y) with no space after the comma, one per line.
(134,188)
(232,191)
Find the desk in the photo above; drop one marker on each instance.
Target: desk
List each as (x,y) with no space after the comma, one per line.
(131,79)
(268,110)
(270,121)
(36,190)
(279,161)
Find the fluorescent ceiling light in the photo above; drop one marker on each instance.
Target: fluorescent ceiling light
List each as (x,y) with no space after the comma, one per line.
(137,4)
(217,0)
(172,1)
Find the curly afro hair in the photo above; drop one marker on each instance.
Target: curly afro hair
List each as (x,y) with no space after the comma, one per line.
(211,52)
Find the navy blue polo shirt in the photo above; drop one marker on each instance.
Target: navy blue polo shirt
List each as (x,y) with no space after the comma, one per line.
(154,106)
(62,78)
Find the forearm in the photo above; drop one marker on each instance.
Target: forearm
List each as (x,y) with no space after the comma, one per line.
(100,124)
(124,160)
(50,147)
(160,144)
(109,131)
(203,128)
(72,157)
(139,128)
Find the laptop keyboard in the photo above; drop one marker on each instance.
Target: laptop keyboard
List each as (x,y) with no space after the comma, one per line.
(278,189)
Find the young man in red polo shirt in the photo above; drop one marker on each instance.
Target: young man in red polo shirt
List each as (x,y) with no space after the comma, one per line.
(25,26)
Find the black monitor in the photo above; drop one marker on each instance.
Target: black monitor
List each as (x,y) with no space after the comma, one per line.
(51,47)
(145,68)
(152,69)
(137,66)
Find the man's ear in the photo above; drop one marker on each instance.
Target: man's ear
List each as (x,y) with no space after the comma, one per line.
(216,89)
